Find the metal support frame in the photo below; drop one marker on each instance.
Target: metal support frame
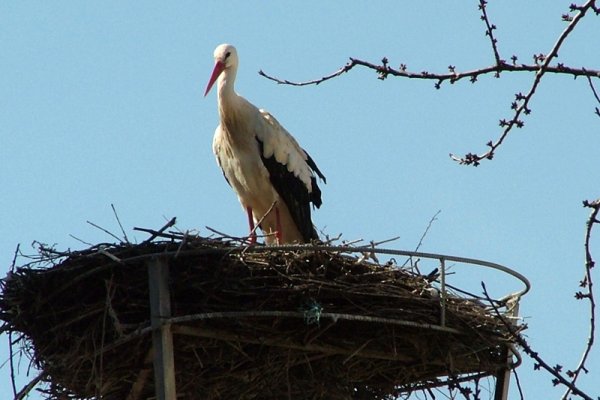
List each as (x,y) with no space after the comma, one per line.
(443,292)
(353,249)
(162,338)
(503,376)
(158,273)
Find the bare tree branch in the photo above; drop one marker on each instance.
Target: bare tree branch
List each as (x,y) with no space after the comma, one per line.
(384,70)
(490,31)
(120,225)
(597,110)
(25,391)
(521,103)
(587,283)
(337,73)
(520,106)
(166,226)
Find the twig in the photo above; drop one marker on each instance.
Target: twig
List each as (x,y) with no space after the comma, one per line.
(332,240)
(25,391)
(169,224)
(15,256)
(593,88)
(11,363)
(540,363)
(518,381)
(597,110)
(104,230)
(431,221)
(81,240)
(119,222)
(224,235)
(358,350)
(351,242)
(260,221)
(434,218)
(339,72)
(110,294)
(490,31)
(142,377)
(377,244)
(184,241)
(169,235)
(109,255)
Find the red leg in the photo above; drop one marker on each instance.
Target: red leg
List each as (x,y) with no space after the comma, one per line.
(252,238)
(278,233)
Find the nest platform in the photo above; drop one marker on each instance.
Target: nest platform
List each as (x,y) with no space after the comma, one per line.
(249,323)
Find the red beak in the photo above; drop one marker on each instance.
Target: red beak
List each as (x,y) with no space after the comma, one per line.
(219,67)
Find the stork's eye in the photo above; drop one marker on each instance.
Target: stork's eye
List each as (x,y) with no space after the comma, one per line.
(227,54)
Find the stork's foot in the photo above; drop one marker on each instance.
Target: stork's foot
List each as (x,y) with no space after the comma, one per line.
(278,233)
(251,238)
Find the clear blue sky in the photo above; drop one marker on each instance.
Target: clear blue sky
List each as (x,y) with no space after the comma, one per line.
(103,103)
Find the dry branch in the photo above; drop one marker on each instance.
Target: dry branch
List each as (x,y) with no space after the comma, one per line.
(520,105)
(587,292)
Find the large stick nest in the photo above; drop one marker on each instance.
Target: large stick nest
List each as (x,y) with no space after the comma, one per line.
(259,323)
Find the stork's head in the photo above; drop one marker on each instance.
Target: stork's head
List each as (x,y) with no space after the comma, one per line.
(225,59)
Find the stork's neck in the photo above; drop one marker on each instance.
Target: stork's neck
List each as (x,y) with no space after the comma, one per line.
(233,108)
(226,95)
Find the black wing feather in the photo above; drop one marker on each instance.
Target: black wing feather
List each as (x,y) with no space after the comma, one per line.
(294,193)
(311,163)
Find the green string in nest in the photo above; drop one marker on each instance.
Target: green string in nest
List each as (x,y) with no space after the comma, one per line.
(312,312)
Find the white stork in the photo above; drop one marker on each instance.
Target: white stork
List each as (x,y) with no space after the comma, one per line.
(273,177)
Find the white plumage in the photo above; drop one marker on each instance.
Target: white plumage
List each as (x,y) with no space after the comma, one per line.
(262,162)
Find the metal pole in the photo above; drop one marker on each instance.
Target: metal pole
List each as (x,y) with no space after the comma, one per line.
(503,376)
(162,338)
(443,292)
